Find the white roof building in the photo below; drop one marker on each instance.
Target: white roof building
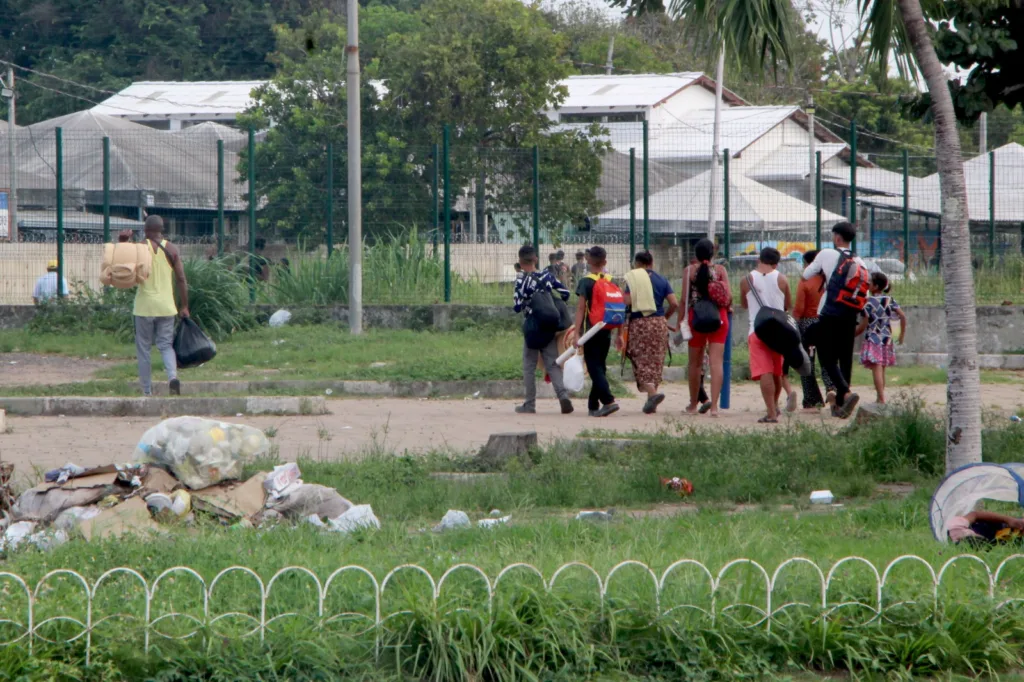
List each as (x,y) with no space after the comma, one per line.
(170,105)
(926,195)
(656,98)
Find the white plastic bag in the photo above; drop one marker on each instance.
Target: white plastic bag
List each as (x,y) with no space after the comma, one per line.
(280,318)
(359,516)
(201,452)
(572,374)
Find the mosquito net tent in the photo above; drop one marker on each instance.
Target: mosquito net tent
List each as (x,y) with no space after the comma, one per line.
(961,491)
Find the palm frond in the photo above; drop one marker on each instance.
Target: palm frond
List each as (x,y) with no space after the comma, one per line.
(888,34)
(754,32)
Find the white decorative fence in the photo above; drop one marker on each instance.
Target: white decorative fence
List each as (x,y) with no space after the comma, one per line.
(820,610)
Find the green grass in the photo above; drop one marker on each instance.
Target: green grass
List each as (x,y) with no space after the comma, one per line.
(562,635)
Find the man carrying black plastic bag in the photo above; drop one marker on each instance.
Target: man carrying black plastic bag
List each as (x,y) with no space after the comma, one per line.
(541,298)
(155,307)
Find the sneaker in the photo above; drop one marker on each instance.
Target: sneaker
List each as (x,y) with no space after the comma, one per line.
(175,387)
(523,409)
(651,406)
(849,405)
(566,404)
(605,411)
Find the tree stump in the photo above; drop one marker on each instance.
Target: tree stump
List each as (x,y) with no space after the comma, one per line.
(872,412)
(502,447)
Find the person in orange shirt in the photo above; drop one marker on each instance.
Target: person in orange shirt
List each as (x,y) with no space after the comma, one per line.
(805,312)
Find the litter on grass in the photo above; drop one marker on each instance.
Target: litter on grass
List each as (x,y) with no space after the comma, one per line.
(189,467)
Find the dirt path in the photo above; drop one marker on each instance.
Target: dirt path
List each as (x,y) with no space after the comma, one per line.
(398,425)
(26,369)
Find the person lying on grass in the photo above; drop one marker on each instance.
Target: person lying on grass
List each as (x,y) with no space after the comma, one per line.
(985,528)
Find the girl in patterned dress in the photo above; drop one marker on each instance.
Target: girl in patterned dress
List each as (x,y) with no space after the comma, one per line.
(878,351)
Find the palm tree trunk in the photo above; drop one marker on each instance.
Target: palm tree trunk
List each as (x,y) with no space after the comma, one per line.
(963,392)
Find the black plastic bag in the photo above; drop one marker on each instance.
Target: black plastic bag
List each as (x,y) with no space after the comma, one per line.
(536,335)
(191,345)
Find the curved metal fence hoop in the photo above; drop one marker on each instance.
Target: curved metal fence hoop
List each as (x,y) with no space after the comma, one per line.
(766,612)
(777,599)
(206,604)
(473,569)
(261,622)
(625,564)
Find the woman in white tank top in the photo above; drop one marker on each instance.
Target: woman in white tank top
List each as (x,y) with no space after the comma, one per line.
(767,286)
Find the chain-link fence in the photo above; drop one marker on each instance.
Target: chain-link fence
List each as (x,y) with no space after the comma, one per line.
(444,223)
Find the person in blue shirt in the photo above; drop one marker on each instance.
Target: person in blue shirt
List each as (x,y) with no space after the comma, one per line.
(528,283)
(651,301)
(46,285)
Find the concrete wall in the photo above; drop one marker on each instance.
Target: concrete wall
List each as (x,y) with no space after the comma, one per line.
(1000,328)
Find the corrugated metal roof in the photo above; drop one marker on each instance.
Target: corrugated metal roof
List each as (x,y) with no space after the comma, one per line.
(634,90)
(791,162)
(690,137)
(168,99)
(926,194)
(684,207)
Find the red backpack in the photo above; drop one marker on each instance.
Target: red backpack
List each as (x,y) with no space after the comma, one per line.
(606,303)
(847,292)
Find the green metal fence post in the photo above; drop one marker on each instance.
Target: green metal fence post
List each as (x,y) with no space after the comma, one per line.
(817,200)
(853,176)
(106,190)
(435,218)
(647,193)
(992,207)
(60,213)
(447,221)
(906,210)
(725,202)
(220,198)
(252,215)
(632,201)
(536,198)
(871,234)
(330,198)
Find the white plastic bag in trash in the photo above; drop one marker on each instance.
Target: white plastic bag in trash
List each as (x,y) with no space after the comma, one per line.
(201,452)
(280,318)
(359,516)
(572,374)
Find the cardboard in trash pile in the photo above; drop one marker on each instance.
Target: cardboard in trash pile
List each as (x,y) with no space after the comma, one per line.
(231,501)
(50,499)
(159,481)
(131,516)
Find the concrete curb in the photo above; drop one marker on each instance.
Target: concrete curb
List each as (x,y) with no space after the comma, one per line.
(488,389)
(161,407)
(1003,361)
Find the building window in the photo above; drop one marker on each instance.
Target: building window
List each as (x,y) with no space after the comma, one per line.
(631,117)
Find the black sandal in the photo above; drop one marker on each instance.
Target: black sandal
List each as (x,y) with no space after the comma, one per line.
(767,420)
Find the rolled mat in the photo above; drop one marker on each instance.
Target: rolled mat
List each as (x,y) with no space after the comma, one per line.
(566,340)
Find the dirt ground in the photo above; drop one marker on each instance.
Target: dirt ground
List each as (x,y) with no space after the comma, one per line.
(358,426)
(24,369)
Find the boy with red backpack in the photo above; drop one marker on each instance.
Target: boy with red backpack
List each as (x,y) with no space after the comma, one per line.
(600,300)
(846,294)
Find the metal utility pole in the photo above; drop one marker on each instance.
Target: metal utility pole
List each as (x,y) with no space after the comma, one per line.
(716,142)
(12,170)
(355,176)
(611,51)
(812,147)
(983,133)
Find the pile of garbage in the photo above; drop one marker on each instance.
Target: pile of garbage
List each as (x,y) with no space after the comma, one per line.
(182,467)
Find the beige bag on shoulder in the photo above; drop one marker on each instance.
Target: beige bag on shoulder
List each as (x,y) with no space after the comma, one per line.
(126,264)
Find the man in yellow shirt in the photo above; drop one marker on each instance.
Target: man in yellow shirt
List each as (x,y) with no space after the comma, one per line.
(155,308)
